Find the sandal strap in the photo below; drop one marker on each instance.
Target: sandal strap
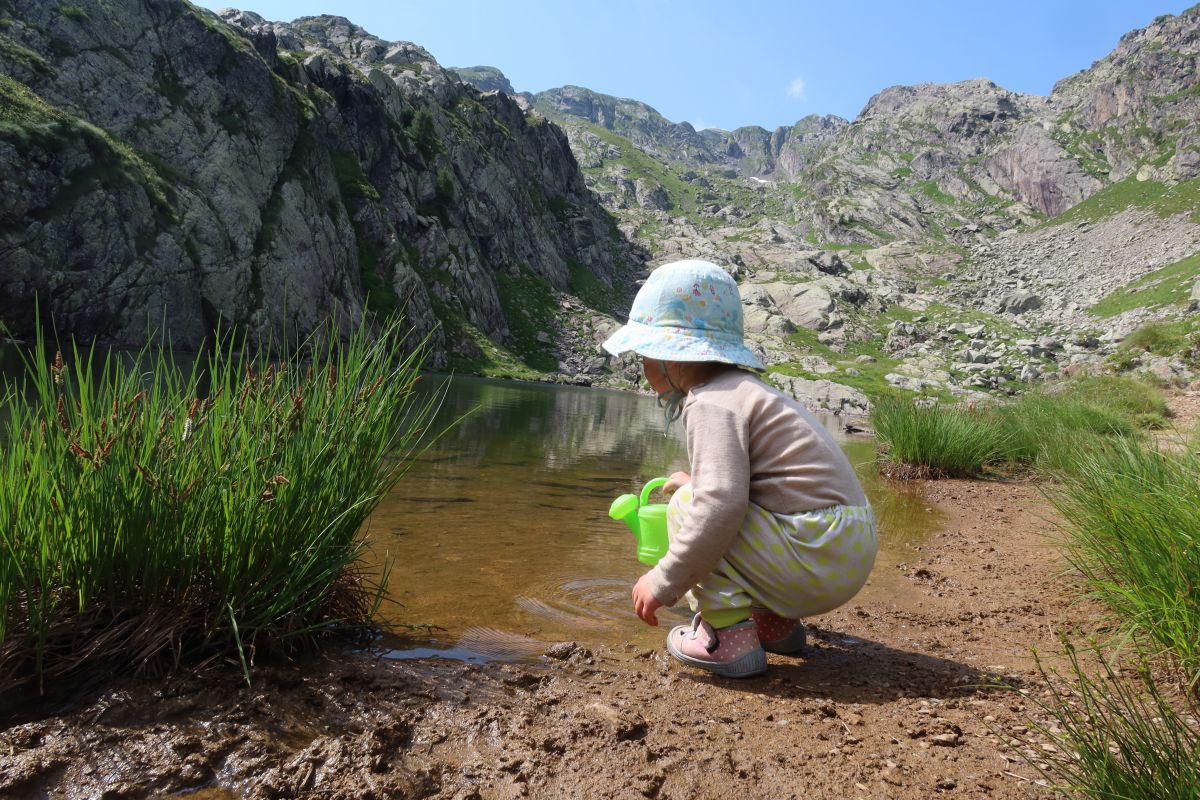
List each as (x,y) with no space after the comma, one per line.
(713,640)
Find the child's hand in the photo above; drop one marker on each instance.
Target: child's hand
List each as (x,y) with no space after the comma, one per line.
(677,481)
(644,604)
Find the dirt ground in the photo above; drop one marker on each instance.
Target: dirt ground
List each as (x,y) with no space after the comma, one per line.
(889,701)
(892,699)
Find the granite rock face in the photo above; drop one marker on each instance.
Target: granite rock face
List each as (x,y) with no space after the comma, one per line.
(485,79)
(932,161)
(164,166)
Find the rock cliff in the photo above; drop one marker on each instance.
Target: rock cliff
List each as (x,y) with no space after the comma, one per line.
(166,166)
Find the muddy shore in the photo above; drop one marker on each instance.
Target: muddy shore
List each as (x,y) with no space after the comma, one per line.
(891,700)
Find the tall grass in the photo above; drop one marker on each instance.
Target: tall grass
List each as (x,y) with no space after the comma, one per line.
(1137,400)
(1049,432)
(1046,431)
(153,513)
(936,441)
(1133,515)
(1119,738)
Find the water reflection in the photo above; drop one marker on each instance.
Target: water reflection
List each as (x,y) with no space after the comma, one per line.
(501,534)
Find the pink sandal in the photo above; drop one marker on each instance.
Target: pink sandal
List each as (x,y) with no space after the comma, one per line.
(732,652)
(778,634)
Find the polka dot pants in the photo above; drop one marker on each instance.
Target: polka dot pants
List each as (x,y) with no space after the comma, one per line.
(794,565)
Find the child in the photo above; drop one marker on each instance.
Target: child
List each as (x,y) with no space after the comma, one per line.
(772,524)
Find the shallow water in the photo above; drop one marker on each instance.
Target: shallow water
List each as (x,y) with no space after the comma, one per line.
(500,535)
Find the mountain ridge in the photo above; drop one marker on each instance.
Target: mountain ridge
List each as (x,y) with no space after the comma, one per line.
(951,239)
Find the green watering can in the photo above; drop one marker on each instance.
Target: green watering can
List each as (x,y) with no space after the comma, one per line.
(647,520)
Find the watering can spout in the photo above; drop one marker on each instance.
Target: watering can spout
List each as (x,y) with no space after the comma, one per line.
(625,509)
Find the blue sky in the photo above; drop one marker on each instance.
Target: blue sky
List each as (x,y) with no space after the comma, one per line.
(767,63)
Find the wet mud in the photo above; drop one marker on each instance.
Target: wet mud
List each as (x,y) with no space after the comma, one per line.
(895,697)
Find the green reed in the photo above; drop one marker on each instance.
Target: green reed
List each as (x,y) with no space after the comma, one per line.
(1133,523)
(936,441)
(153,513)
(1047,432)
(1041,430)
(1118,736)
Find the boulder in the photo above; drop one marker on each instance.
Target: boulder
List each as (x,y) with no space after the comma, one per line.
(651,195)
(806,305)
(1019,301)
(907,382)
(823,395)
(760,314)
(829,263)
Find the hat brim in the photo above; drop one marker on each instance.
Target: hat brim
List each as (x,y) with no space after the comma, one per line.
(681,344)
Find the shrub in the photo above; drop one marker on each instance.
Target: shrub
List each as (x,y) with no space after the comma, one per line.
(154,514)
(444,185)
(423,133)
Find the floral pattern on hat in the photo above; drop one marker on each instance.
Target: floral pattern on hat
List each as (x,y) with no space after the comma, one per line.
(686,311)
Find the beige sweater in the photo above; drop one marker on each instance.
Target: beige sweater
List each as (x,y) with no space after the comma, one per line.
(747,443)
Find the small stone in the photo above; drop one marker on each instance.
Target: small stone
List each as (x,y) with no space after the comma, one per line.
(945,739)
(563,650)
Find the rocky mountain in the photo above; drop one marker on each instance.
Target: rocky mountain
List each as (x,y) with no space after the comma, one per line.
(485,79)
(749,150)
(952,238)
(164,162)
(920,161)
(166,166)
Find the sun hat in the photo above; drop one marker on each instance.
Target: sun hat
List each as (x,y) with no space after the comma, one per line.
(686,311)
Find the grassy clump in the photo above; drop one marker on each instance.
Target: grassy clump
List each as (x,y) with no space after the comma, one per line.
(1043,430)
(1047,432)
(936,441)
(1134,527)
(154,515)
(1169,285)
(1130,398)
(1118,737)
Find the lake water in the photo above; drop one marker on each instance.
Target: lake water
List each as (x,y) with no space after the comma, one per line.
(500,535)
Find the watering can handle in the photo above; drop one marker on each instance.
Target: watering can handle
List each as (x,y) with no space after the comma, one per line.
(650,487)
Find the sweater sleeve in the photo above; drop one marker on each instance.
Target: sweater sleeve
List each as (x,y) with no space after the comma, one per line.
(718,449)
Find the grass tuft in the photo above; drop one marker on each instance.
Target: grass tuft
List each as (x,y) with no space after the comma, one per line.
(155,515)
(1134,536)
(921,441)
(1118,736)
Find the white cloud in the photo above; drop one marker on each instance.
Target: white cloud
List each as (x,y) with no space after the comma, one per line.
(797,88)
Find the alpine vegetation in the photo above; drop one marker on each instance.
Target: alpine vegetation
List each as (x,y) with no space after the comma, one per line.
(155,514)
